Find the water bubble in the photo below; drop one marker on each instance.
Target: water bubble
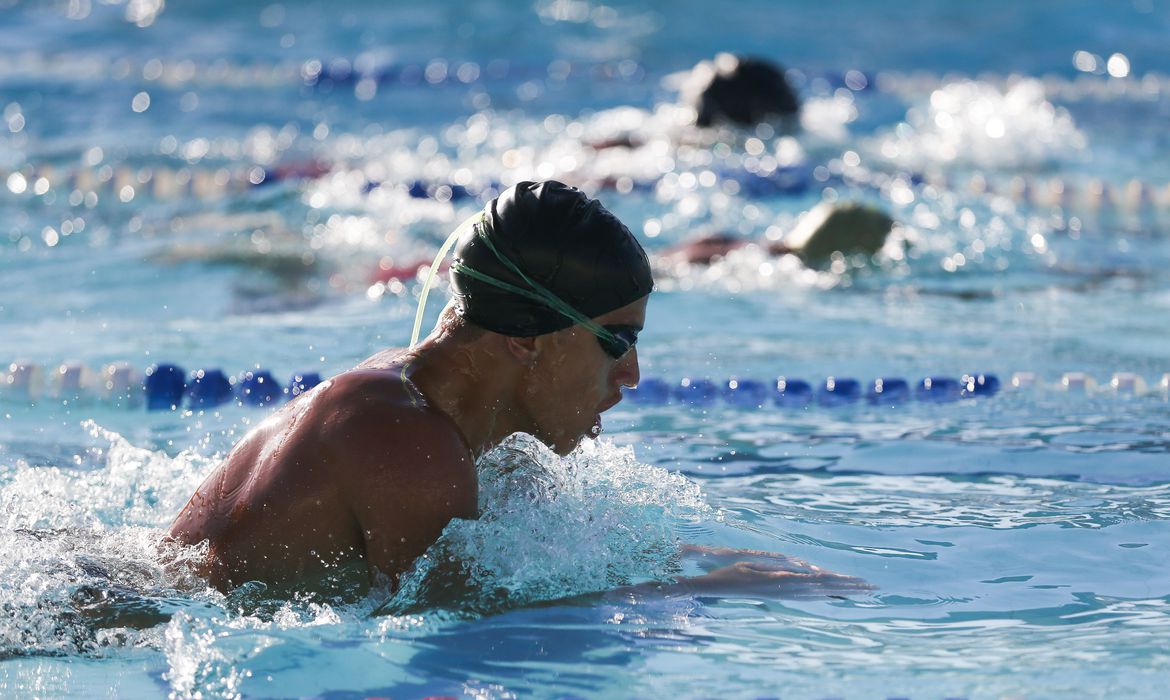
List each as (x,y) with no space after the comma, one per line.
(467,72)
(366,89)
(144,12)
(436,71)
(17,183)
(140,102)
(1118,66)
(1086,62)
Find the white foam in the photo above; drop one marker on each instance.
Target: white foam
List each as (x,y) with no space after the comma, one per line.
(976,123)
(68,528)
(828,118)
(745,269)
(553,527)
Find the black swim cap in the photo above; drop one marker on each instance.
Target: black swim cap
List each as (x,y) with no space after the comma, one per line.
(559,239)
(745,91)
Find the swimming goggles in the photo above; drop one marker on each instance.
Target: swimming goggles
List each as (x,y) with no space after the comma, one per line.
(624,339)
(615,340)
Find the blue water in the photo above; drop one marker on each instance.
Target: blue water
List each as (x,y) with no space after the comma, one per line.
(1016,543)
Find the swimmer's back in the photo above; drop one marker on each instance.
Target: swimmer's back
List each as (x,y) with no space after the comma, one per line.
(359,468)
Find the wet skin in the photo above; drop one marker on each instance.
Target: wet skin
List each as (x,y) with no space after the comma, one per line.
(360,467)
(371,465)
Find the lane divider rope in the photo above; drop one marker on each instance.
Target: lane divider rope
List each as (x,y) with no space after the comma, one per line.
(124,184)
(168,387)
(327,74)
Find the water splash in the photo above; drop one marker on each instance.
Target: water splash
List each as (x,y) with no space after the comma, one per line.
(83,571)
(81,559)
(979,124)
(553,527)
(132,486)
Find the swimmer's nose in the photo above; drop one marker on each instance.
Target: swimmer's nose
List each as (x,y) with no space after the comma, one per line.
(628,373)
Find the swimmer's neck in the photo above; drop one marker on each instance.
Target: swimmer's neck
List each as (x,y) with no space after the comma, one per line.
(473,382)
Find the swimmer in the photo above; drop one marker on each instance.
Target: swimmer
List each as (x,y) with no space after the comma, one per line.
(361,474)
(726,91)
(846,228)
(550,293)
(741,91)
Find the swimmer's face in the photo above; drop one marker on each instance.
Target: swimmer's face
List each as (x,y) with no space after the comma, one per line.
(574,380)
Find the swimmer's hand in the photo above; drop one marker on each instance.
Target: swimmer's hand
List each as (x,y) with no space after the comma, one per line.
(755,578)
(712,558)
(741,571)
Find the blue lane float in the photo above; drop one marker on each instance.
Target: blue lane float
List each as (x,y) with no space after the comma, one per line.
(746,393)
(938,390)
(835,391)
(889,391)
(164,387)
(793,392)
(988,384)
(258,388)
(208,388)
(649,391)
(700,392)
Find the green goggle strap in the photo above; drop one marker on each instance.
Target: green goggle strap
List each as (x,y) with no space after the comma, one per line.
(422,299)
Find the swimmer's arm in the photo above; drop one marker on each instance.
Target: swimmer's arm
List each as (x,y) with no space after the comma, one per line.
(709,558)
(701,251)
(750,572)
(752,578)
(406,485)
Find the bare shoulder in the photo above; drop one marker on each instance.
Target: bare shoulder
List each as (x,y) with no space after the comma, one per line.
(401,465)
(374,420)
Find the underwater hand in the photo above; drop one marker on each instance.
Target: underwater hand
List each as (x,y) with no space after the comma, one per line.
(712,558)
(732,571)
(781,580)
(736,572)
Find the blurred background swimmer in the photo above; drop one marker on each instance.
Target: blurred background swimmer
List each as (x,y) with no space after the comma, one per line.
(722,104)
(845,228)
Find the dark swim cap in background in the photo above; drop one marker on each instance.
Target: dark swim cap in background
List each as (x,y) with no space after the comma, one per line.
(745,91)
(562,240)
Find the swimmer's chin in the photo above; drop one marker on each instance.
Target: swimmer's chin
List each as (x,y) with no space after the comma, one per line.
(592,433)
(566,444)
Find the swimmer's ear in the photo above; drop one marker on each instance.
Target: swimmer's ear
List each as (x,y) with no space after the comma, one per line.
(525,350)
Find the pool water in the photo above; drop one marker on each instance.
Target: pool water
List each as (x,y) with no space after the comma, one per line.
(229,185)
